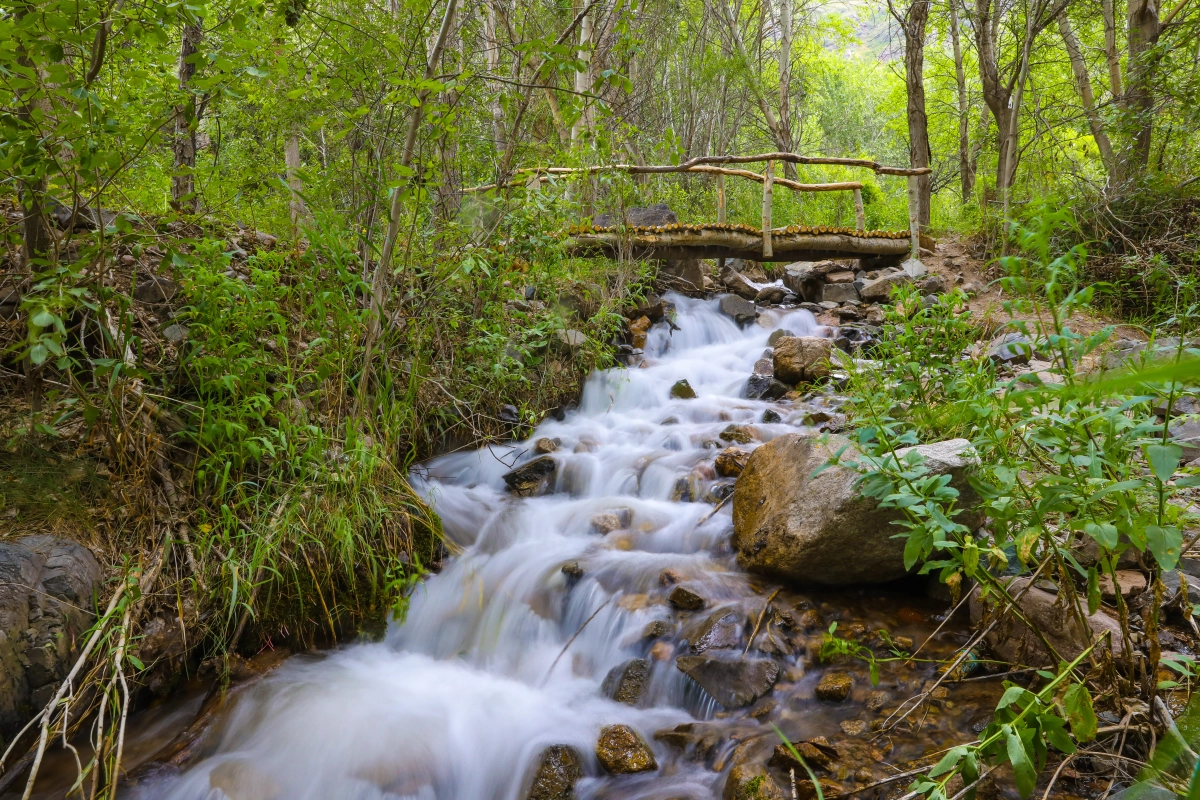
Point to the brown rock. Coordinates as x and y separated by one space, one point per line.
610 521
622 751
1130 582
733 682
638 330
731 461
559 768
840 276
721 629
546 446
532 478
1012 641
750 782
626 683
834 687
670 577
878 290
685 599
800 358
742 434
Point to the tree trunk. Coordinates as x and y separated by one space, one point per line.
1143 32
492 40
785 80
1083 83
1008 164
183 182
966 165
583 79
1111 56
918 123
38 238
995 93
291 156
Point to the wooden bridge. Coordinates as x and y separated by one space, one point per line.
722 240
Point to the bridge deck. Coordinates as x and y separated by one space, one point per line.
679 241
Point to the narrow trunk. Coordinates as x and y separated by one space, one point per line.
291 155
782 138
1008 165
583 79
183 183
918 122
785 79
1083 83
966 165
1143 32
492 40
1111 56
995 94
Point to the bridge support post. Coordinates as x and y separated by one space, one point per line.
768 184
914 226
860 216
721 199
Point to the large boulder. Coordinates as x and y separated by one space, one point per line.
48 589
819 529
1053 615
733 682
880 289
801 358
683 275
740 309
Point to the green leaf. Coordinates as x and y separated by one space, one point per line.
1011 695
137 662
44 319
1078 704
37 354
1023 770
1164 543
948 762
1105 533
1163 459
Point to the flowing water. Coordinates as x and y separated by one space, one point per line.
504 653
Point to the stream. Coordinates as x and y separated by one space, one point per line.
505 652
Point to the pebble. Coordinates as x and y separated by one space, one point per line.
834 687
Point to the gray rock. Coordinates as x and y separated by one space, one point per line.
567 340
879 290
732 682
683 275
819 530
778 334
558 770
175 333
740 309
933 284
532 478
154 289
1010 348
770 295
913 268
737 283
1186 434
839 293
626 683
765 387
264 240
720 630
48 588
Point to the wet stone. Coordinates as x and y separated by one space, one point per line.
778 334
719 492
771 416
610 521
545 446
670 577
750 782
810 620
572 570
765 387
834 687
733 683
622 751
657 628
853 727
626 683
559 768
720 630
682 390
685 599
731 461
763 366
533 478
742 434
878 699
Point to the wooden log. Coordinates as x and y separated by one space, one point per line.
721 199
860 215
914 211
734 242
768 183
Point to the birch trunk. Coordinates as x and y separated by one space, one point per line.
1083 84
183 181
966 165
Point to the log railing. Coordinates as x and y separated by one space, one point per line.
531 176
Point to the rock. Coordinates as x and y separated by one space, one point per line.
771 416
834 687
545 446
637 332
800 358
657 628
609 521
682 390
732 682
778 334
764 367
532 478
154 289
626 683
742 434
913 268
509 413
684 275
855 339
1186 434
1130 582
933 284
750 782
264 240
48 586
742 311
652 307
770 295
790 524
840 276
1010 348
1012 641
720 630
737 283
572 570
765 387
559 768
819 757
175 333
878 699
568 340
880 289
622 751
731 461
685 599
690 736
839 293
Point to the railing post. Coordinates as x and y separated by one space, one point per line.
768 184
860 216
914 227
721 199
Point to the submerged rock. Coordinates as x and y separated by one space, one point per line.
834 687
733 683
626 683
682 390
720 630
819 530
532 478
559 768
685 599
750 782
622 751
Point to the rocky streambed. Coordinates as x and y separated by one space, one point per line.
595 636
